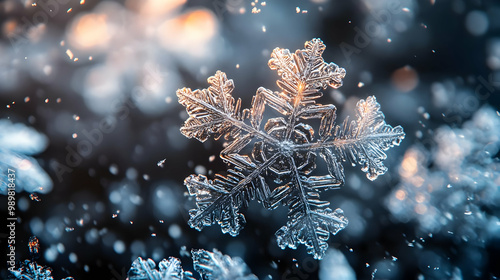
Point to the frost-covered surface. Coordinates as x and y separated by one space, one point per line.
210 265
17 143
454 188
335 267
285 150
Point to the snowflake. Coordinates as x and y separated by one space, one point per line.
210 265
285 150
17 142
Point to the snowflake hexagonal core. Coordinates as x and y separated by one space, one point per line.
285 150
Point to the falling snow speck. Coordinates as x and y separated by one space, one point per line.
113 169
161 162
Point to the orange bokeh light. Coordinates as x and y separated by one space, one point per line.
189 32
90 31
405 79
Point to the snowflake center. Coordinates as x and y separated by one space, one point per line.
286 148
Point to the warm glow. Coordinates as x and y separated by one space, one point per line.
90 31
189 32
420 197
9 28
300 90
405 79
155 7
420 209
409 166
24 164
417 181
401 195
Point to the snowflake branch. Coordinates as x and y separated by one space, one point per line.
213 111
224 201
306 225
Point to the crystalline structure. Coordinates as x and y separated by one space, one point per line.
167 270
210 265
30 269
215 266
453 188
17 143
274 165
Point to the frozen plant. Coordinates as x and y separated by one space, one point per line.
279 160
210 265
17 143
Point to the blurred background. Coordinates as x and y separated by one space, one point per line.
89 118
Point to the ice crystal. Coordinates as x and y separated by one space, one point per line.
210 265
285 150
167 270
17 143
214 265
453 188
30 269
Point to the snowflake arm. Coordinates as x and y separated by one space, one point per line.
213 111
30 175
310 222
215 266
361 142
21 139
219 200
17 143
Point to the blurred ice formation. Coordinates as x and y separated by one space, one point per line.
335 267
210 265
17 143
454 188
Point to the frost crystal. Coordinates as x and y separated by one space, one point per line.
210 265
214 265
285 150
168 270
17 143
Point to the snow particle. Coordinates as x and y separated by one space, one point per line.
119 247
477 23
